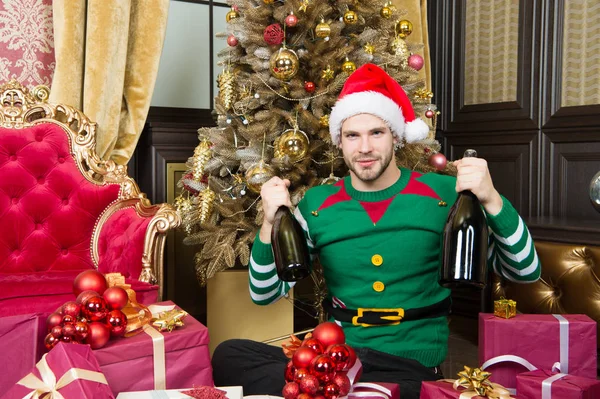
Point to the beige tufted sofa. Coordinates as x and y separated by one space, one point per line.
570 282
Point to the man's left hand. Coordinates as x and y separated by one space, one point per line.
473 175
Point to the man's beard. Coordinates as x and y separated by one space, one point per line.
374 171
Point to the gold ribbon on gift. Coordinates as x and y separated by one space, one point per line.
48 387
505 308
476 383
169 320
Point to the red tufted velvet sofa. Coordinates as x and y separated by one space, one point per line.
64 210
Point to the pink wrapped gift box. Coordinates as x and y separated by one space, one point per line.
542 340
542 384
21 346
441 390
128 363
54 369
362 389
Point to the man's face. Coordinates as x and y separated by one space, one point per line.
367 145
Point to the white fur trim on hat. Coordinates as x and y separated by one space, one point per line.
416 130
366 102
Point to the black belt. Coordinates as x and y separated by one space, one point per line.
372 316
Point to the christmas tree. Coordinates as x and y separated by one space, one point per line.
285 65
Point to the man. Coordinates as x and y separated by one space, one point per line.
378 235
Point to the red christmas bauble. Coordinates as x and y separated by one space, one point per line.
50 341
94 309
68 330
300 374
303 356
116 298
303 395
117 322
340 355
314 344
98 335
291 20
71 308
290 390
331 391
68 319
329 333
232 41
54 319
89 280
438 161
85 295
81 330
415 61
429 113
66 339
273 34
290 370
309 87
352 358
309 384
343 383
323 368
56 331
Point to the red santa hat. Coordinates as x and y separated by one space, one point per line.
370 90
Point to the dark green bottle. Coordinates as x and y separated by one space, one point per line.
290 249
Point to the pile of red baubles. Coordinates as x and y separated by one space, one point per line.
318 369
93 317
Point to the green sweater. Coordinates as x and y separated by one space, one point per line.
383 250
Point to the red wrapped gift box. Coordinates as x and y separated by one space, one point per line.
542 340
542 384
129 363
69 369
362 389
21 346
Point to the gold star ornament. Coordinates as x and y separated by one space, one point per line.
328 73
369 48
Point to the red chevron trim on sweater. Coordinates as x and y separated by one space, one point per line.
333 199
376 210
419 188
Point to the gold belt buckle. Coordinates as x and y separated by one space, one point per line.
396 318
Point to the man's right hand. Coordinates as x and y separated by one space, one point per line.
274 194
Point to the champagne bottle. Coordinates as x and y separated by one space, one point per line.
290 250
465 242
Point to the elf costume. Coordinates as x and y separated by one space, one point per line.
382 250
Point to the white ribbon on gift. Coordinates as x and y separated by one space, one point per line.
547 385
562 365
158 347
377 390
48 383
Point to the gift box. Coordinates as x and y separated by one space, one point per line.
21 346
153 360
71 370
230 392
505 308
542 384
362 389
441 390
526 342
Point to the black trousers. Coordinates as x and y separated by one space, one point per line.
259 368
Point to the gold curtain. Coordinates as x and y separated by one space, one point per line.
107 55
416 12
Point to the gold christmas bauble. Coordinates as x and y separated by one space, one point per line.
293 143
386 12
348 66
323 30
257 175
404 28
284 64
232 14
350 17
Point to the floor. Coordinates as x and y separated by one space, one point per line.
462 346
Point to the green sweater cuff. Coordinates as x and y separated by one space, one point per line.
262 253
506 221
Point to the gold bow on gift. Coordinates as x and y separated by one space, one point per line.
505 308
167 321
476 383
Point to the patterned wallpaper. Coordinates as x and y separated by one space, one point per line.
581 53
26 42
491 45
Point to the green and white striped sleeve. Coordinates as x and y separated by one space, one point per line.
265 286
511 252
